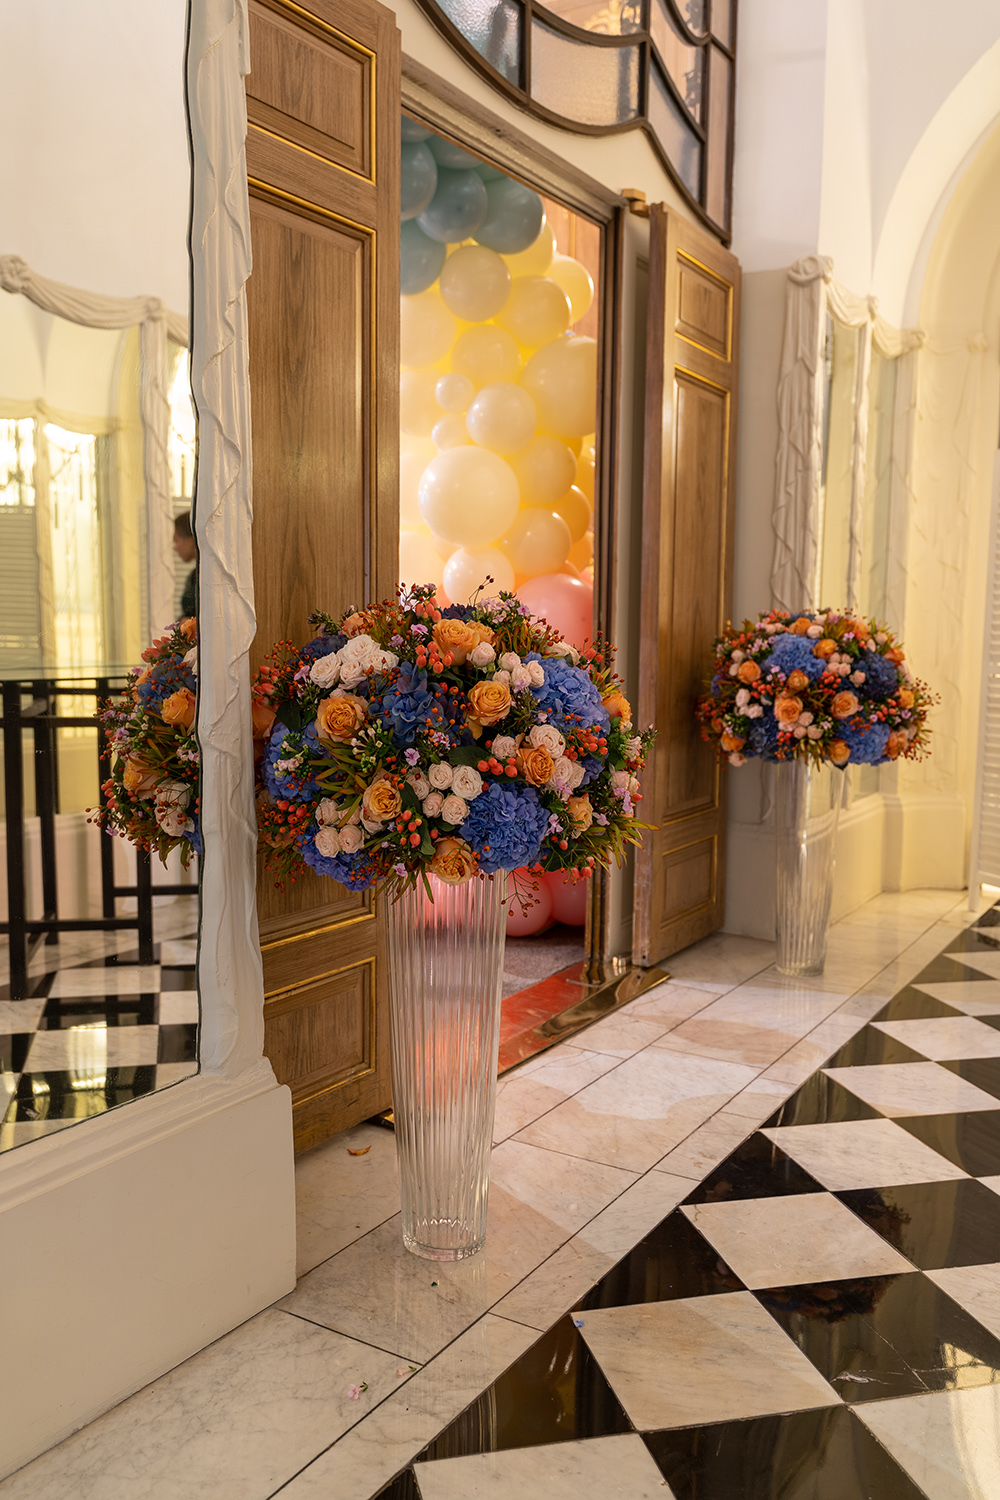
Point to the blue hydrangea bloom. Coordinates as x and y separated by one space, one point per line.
881 677
166 678
762 738
408 703
353 870
505 827
568 696
793 653
458 612
865 741
322 645
294 787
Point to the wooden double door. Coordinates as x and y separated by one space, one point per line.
323 107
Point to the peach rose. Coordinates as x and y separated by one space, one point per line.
861 631
189 628
844 705
489 702
840 753
580 813
617 706
895 744
535 764
381 801
454 861
484 635
906 697
825 648
796 681
748 671
786 709
340 716
138 778
800 627
179 708
355 624
262 718
454 636
732 742
896 655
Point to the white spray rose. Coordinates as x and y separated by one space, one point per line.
504 746
419 783
327 841
325 670
482 655
170 808
509 661
439 775
467 783
563 648
351 839
536 674
360 656
455 809
328 811
547 737
433 805
520 678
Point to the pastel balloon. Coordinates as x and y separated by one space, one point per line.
468 568
561 379
581 554
485 354
418 177
418 559
513 217
457 209
545 469
414 456
418 410
420 259
426 329
501 417
475 283
585 471
447 155
443 548
576 283
450 431
538 542
454 392
488 173
576 511
568 897
537 915
411 131
534 261
536 311
468 496
566 603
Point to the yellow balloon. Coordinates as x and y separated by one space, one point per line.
467 570
545 469
426 329
537 542
450 431
418 559
585 471
561 379
536 311
576 511
575 282
418 408
485 354
475 283
468 496
501 418
414 456
534 261
581 554
443 548
454 392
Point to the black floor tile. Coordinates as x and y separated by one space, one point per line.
758 1169
913 1005
100 1010
872 1047
971 1141
14 1049
993 1021
673 1261
933 1224
177 978
59 1094
403 1487
821 1101
808 1455
555 1392
983 1072
177 1043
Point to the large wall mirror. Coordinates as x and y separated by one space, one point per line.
98 992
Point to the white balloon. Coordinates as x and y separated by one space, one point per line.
454 392
501 418
469 496
467 570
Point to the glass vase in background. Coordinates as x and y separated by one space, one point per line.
445 968
807 800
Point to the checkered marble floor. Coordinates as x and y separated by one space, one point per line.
96 1032
819 1319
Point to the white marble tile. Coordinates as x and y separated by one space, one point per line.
376 1290
543 1082
91 1049
993 1183
340 1197
759 1099
561 1281
232 1423
368 1456
862 1154
942 1038
976 1288
634 1115
179 951
982 961
751 1025
706 1146
670 1002
771 1242
899 1089
622 1034
178 1007
120 979
606 1468
701 1359
976 997
720 961
20 1015
948 1442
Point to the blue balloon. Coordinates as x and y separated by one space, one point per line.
514 217
411 131
488 173
418 180
420 259
457 208
453 157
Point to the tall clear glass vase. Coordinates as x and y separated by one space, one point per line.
445 967
807 806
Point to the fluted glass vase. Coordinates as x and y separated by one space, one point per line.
807 806
445 967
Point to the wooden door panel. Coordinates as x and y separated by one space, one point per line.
686 577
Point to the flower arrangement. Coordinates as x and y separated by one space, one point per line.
151 797
826 686
410 740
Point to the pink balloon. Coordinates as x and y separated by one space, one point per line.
565 603
569 899
525 924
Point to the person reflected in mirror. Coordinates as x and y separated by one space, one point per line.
187 551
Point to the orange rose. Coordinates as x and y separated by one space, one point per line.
896 655
179 708
189 629
844 705
800 627
617 706
906 697
138 778
580 813
796 681
381 801
840 753
483 634
535 765
732 742
356 624
454 861
825 648
489 702
861 631
895 744
748 671
262 718
787 710
454 636
340 716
